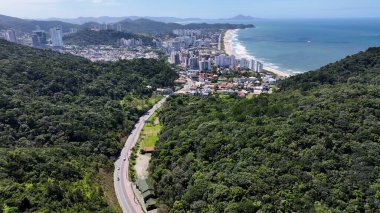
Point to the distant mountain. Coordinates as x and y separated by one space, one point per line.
83 20
27 26
108 19
133 24
155 27
242 17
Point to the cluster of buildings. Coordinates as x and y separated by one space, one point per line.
109 53
131 43
201 50
39 38
107 26
187 32
228 61
206 84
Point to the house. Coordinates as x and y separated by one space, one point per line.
148 194
148 149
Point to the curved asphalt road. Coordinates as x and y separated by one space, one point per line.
123 186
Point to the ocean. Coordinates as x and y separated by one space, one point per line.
296 46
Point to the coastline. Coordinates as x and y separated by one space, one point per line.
230 36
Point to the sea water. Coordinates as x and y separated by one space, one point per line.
295 46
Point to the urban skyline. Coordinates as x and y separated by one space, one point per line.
256 8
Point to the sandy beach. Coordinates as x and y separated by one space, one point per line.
228 36
229 49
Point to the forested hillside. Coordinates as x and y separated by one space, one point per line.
27 26
103 37
313 147
155 27
61 118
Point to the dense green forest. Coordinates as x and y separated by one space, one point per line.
61 120
103 37
313 147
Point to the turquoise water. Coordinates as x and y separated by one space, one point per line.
302 45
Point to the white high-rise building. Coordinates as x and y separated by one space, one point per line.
10 35
224 61
244 63
56 37
204 65
252 65
259 67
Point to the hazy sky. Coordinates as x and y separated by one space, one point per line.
192 8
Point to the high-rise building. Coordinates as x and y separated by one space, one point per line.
56 37
157 43
256 66
10 35
119 27
39 39
252 65
225 61
204 65
259 66
244 63
193 63
175 58
131 43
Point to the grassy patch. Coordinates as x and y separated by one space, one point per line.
250 96
149 134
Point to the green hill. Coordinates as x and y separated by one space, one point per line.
103 37
145 26
155 27
313 147
61 120
27 26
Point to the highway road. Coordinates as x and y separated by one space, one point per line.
123 186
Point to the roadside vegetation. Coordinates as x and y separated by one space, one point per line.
148 138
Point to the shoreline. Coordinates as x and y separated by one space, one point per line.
229 50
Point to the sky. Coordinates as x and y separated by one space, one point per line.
191 8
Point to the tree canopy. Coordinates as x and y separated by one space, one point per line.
103 37
61 121
313 147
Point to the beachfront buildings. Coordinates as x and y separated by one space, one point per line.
225 61
228 61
